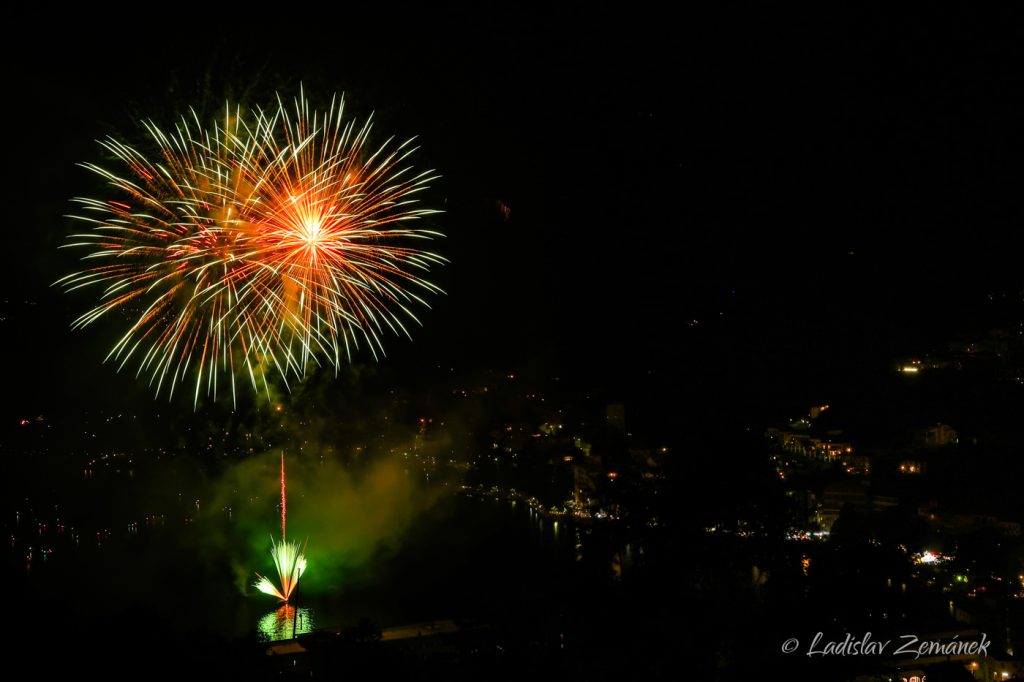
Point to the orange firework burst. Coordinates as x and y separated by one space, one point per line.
272 241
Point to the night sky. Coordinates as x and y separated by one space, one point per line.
735 202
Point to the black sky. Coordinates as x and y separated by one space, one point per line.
817 191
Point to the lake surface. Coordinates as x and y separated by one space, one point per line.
468 558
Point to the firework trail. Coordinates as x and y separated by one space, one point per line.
284 501
269 243
288 558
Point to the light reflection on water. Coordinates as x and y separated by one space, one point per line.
282 624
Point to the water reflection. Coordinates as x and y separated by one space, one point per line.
286 623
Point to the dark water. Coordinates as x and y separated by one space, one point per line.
480 559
